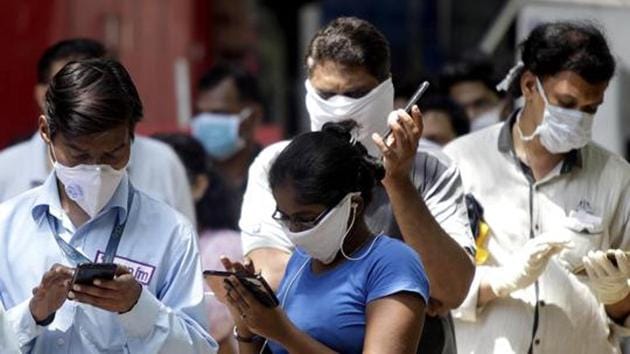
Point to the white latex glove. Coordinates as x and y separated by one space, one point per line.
609 283
527 264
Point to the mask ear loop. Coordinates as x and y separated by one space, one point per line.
343 239
531 137
286 293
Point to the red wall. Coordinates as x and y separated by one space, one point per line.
146 35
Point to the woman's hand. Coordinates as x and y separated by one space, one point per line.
271 323
399 151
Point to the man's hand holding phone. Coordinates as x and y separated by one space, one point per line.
119 294
608 278
51 292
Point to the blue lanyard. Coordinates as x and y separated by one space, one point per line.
112 245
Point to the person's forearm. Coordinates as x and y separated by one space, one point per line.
449 268
619 311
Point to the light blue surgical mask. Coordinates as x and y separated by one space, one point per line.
219 133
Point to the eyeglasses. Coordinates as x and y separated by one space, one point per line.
297 224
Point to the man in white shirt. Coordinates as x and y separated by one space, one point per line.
423 205
154 166
554 202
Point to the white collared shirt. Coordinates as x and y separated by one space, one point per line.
154 168
586 196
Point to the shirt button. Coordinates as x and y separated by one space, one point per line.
537 227
60 342
541 303
537 342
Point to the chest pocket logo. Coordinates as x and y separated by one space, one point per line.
586 229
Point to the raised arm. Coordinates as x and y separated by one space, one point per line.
449 267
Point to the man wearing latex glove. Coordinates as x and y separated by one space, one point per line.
538 173
609 282
529 263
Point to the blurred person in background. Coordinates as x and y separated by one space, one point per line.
471 83
443 119
88 211
229 109
555 279
216 237
26 165
419 200
346 289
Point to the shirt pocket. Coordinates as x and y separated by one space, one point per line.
587 233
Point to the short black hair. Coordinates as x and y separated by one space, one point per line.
324 166
456 114
246 83
67 50
91 96
189 150
352 42
554 47
472 66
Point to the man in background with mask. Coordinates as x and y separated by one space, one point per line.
87 210
554 202
230 108
470 83
154 167
349 78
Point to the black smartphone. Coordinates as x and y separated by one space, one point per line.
412 101
87 272
254 283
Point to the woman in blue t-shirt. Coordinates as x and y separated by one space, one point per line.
345 289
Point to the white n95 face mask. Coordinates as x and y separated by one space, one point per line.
325 239
562 129
369 111
90 186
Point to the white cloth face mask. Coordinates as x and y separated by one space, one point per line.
562 129
324 240
369 111
90 186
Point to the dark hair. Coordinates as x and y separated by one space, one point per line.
324 166
189 150
91 96
67 50
472 66
558 46
246 84
353 42
457 115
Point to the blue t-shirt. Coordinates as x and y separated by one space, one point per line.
331 306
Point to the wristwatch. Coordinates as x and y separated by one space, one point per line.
239 338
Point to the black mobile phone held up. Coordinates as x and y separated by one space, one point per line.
412 101
87 272
254 283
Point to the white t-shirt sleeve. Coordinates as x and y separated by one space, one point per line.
258 228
